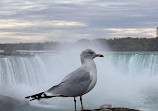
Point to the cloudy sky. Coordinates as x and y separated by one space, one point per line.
71 20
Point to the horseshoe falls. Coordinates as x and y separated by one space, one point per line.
124 79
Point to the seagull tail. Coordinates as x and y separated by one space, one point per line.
38 96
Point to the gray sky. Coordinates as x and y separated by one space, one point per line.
71 20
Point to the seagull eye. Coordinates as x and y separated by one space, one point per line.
91 52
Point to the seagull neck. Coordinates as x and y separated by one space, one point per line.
87 62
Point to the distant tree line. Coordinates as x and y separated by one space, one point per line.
29 46
116 44
131 44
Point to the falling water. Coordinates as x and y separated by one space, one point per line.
124 79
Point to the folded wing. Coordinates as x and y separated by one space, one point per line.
75 84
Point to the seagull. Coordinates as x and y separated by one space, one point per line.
77 83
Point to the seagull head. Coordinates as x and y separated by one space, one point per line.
89 54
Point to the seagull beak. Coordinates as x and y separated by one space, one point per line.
99 55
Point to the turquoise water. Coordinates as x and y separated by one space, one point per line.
124 79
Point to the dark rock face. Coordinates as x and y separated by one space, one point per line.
113 109
9 104
122 109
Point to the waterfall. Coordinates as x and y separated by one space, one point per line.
124 79
26 70
33 69
135 64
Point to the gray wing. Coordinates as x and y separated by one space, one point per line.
75 84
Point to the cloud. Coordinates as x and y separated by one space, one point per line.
54 23
66 35
132 32
70 20
14 23
14 37
57 23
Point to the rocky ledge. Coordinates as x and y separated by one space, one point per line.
113 109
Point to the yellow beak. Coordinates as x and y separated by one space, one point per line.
99 55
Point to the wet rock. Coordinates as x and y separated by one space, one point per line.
9 104
113 109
